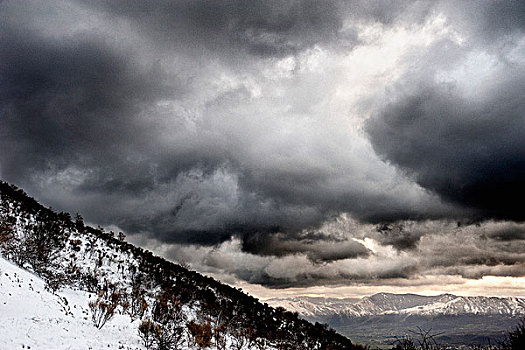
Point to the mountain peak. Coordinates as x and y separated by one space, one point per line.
381 315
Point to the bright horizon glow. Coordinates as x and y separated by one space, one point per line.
488 286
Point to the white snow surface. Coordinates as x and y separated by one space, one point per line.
31 317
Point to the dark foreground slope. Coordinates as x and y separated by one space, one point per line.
176 307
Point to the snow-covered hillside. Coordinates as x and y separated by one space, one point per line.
70 286
33 317
313 306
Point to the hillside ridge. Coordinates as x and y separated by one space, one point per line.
173 306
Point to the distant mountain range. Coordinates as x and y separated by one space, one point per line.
406 304
377 319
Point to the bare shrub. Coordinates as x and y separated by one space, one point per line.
11 245
165 331
218 335
422 340
201 333
148 332
103 309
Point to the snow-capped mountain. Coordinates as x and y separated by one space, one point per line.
404 304
313 306
380 318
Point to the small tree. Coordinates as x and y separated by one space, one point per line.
136 303
218 335
165 331
103 309
13 247
201 333
148 332
121 236
240 334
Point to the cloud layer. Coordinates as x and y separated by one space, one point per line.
245 128
440 252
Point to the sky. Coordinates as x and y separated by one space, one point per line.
293 147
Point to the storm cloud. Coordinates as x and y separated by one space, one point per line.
457 125
326 142
444 252
266 28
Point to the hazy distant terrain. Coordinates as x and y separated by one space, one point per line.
382 317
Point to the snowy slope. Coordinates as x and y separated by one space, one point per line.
313 306
57 275
34 318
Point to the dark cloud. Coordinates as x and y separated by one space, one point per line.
468 150
266 28
261 28
490 23
73 100
445 252
455 122
202 123
396 235
511 232
317 248
96 124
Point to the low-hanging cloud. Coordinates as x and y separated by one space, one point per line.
444 252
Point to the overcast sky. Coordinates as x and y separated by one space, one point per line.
288 147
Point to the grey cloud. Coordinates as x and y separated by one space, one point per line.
469 151
199 124
100 128
398 236
65 101
489 23
390 12
317 248
444 252
266 28
262 28
510 232
463 141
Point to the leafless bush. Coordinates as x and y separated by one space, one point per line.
201 333
103 309
149 332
